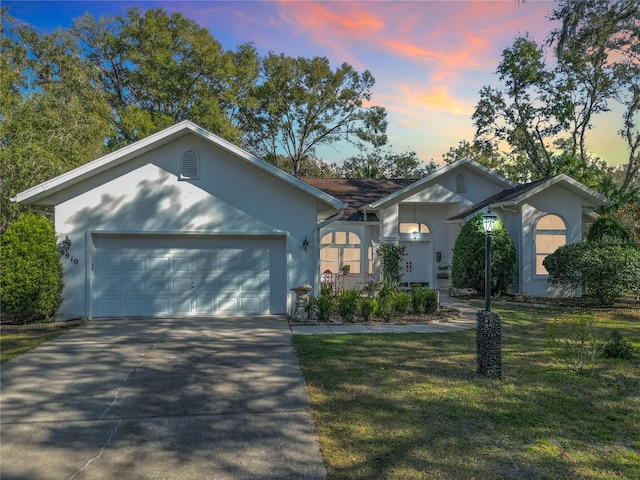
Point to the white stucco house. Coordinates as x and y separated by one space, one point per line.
186 223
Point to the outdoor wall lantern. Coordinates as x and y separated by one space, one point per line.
64 245
305 244
414 234
489 220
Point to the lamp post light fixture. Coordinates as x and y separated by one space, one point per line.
489 220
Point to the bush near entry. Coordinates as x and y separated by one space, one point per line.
468 265
30 271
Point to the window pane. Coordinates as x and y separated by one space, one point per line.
354 239
329 254
424 228
351 256
329 259
341 238
549 243
406 227
540 270
326 240
551 222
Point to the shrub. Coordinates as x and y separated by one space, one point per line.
368 308
388 287
30 271
348 304
565 265
617 346
577 341
326 306
391 255
604 271
468 264
402 302
387 306
423 299
607 231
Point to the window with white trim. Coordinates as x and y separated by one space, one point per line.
339 248
190 165
413 227
550 233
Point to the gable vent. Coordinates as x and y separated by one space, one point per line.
190 165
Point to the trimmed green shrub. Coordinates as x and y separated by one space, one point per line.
387 306
326 306
348 304
468 264
30 271
607 231
604 271
423 299
402 302
617 346
368 308
565 265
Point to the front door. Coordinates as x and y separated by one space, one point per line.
417 263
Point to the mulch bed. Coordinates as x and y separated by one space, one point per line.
442 315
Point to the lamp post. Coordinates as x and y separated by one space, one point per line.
488 222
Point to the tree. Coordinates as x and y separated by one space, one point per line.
302 104
53 116
601 40
31 287
381 163
468 263
159 69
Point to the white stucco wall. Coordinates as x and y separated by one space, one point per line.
145 195
554 200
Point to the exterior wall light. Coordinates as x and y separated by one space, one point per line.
305 244
414 234
489 220
64 245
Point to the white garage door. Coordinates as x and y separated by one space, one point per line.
186 275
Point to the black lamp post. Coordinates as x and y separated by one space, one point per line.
488 221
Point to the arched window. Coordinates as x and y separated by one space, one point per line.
340 248
550 233
461 184
412 228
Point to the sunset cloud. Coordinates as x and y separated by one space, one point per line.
430 58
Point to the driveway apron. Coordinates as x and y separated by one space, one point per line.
214 398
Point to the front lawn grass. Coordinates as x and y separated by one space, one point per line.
410 406
14 343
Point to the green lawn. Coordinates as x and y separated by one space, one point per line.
408 406
14 343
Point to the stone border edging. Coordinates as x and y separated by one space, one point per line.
44 326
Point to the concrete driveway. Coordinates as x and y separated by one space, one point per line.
218 398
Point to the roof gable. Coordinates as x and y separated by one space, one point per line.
418 185
520 193
154 141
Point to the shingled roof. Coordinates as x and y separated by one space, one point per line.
357 192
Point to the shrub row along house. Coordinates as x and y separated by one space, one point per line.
185 223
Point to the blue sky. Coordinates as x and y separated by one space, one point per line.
429 58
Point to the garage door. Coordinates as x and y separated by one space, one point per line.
184 275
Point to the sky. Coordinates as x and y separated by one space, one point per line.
429 58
